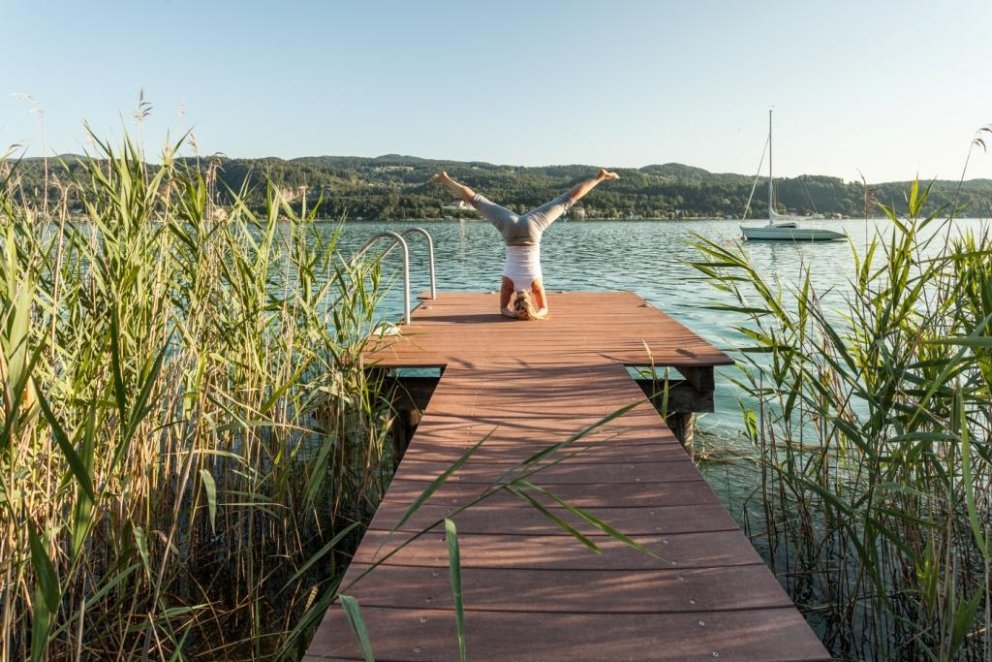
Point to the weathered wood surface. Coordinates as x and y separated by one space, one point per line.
531 591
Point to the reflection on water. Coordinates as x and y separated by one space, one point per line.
650 258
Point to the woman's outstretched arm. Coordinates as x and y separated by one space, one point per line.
580 190
460 190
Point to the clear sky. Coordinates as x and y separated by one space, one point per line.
890 89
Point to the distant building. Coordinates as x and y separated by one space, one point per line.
393 168
458 206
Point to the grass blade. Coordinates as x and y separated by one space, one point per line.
455 570
591 519
438 482
47 595
353 614
587 430
565 526
210 490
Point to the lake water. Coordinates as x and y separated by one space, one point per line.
650 258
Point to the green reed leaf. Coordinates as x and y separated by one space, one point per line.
522 492
210 491
591 519
979 532
584 432
141 542
439 481
77 466
353 614
319 554
455 572
914 198
141 407
966 341
47 594
120 392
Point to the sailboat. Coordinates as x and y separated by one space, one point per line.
781 227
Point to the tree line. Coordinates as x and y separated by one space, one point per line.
394 187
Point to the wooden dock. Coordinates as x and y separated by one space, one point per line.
532 591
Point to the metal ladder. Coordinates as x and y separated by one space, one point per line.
398 239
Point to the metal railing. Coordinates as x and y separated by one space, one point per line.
398 240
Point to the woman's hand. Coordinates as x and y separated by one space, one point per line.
605 174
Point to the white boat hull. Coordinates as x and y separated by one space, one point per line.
773 233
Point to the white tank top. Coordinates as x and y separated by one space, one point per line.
523 265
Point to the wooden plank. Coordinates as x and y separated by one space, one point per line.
669 467
560 590
693 492
510 455
677 550
493 516
422 634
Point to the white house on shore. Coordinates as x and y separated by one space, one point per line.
458 207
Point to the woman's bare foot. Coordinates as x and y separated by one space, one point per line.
605 174
459 190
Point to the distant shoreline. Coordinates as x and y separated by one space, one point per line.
398 187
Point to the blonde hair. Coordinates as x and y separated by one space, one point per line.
523 306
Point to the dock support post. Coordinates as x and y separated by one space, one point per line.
679 400
683 424
408 398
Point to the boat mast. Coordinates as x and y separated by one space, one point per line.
770 201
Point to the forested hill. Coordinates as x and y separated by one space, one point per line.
396 187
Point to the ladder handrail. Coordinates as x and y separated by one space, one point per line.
430 255
398 238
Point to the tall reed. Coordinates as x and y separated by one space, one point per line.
872 423
187 435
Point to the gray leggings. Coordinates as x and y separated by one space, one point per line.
526 228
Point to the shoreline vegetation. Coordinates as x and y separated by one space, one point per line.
394 187
188 444
871 427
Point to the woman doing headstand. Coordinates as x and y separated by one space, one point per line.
522 280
